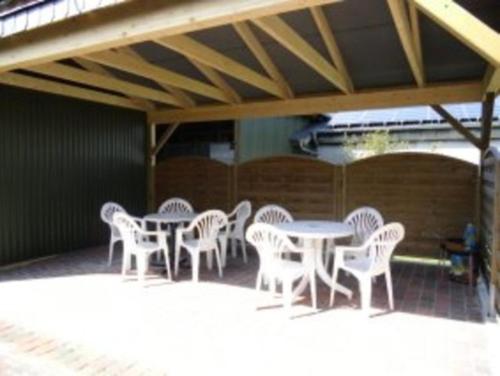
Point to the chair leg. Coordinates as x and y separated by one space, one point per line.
312 283
177 257
334 283
365 285
210 259
233 246
195 265
142 266
111 248
388 281
158 254
218 260
167 263
258 284
244 249
125 263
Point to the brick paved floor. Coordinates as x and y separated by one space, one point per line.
73 315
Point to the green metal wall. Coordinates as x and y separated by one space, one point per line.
258 138
60 159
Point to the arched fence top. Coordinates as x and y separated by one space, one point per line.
408 155
192 159
286 157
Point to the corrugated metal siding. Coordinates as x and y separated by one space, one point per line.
60 159
258 138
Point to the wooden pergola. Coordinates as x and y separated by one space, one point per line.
178 61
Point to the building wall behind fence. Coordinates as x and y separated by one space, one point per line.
60 160
432 195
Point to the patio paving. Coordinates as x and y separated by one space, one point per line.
72 314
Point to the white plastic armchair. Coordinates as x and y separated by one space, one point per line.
201 236
272 245
137 242
236 229
373 260
175 205
364 221
272 214
107 212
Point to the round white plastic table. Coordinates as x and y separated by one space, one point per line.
313 233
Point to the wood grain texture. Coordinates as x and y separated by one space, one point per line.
432 195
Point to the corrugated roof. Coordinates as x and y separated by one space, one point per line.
421 114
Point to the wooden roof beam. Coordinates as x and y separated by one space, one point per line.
258 50
331 45
164 138
181 96
52 87
208 56
459 127
132 22
99 69
290 39
142 68
217 79
407 37
81 76
464 26
367 99
491 81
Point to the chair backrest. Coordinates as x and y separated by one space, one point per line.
269 242
241 213
207 225
175 205
381 245
272 214
365 221
108 210
130 232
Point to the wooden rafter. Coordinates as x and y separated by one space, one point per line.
486 120
181 96
132 22
81 76
198 51
368 99
469 29
415 32
402 23
260 53
99 69
289 38
164 138
331 45
142 68
219 81
459 127
52 87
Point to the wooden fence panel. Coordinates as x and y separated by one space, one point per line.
432 195
490 222
204 182
305 186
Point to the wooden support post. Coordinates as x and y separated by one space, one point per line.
150 165
487 118
459 127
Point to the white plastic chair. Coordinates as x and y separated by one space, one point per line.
364 221
201 236
175 205
107 212
272 247
137 242
272 214
373 260
236 229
